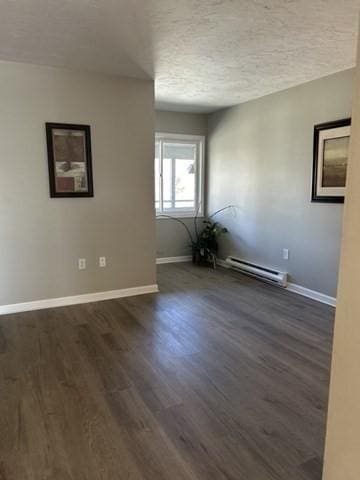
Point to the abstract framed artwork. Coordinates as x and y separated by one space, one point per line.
331 152
69 159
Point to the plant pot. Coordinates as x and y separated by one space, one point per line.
197 258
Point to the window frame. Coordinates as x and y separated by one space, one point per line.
199 209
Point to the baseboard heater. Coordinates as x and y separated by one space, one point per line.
272 276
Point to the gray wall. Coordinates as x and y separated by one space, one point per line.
260 159
41 239
178 122
171 237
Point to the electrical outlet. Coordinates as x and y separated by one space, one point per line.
82 263
286 253
102 262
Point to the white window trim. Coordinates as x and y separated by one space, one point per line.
201 177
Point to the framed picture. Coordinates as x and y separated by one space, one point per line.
69 158
331 152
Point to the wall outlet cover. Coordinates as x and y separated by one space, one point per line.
82 263
286 253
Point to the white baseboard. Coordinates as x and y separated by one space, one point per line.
77 299
186 258
222 263
292 287
306 292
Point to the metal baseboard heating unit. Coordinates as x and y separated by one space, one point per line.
268 275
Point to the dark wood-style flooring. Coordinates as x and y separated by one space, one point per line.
218 377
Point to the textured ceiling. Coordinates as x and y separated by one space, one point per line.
203 54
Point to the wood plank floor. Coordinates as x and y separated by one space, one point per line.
218 377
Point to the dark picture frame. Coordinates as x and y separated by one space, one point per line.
330 190
69 160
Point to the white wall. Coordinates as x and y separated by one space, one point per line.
342 453
42 238
260 158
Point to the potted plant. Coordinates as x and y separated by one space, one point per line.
204 243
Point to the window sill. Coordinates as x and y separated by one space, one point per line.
179 215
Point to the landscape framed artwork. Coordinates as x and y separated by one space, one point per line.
69 159
331 152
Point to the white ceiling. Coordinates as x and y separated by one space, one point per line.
203 54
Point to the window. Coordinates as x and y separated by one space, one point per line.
179 174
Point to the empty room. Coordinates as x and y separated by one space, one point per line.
180 231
